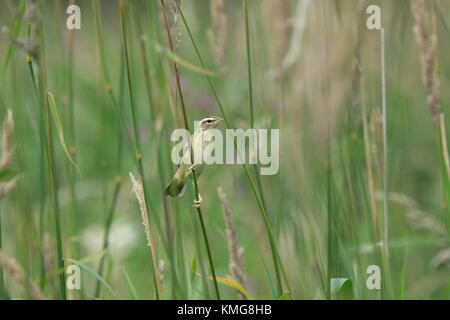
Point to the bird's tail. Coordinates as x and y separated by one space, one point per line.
176 186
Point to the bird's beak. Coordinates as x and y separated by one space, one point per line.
219 119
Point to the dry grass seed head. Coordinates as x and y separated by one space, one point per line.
237 261
16 272
427 41
217 33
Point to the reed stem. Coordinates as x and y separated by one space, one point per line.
135 130
194 176
250 103
274 248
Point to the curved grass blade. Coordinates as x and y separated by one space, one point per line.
59 129
180 61
16 31
93 256
193 268
278 263
269 276
186 271
228 282
344 286
131 287
95 274
285 296
87 259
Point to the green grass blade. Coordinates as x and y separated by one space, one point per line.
131 287
180 61
16 31
59 129
274 248
229 282
342 286
95 274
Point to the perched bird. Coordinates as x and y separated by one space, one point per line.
201 140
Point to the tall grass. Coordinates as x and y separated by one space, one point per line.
274 248
194 175
364 168
134 126
252 122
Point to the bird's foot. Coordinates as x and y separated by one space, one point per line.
191 168
198 202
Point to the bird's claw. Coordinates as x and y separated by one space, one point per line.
198 202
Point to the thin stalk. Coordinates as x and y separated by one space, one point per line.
2 283
145 65
249 64
149 90
135 131
385 155
108 224
194 176
274 248
369 164
105 73
17 27
329 225
71 121
250 103
385 254
382 251
118 184
42 177
175 69
445 164
122 129
51 170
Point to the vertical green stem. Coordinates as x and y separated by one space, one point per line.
329 226
249 65
250 103
108 224
135 131
194 176
2 284
70 119
48 142
276 254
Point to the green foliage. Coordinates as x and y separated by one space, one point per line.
308 232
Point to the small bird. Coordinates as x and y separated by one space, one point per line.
201 140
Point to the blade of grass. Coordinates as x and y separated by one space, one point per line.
59 129
108 224
194 176
229 282
3 293
385 155
250 103
157 130
70 121
95 274
262 210
132 289
180 61
134 124
9 50
48 143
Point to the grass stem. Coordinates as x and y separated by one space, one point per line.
134 124
262 210
194 176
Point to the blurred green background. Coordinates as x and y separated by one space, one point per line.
305 57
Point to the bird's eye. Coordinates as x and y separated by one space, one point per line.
208 121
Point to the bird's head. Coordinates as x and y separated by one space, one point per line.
209 122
